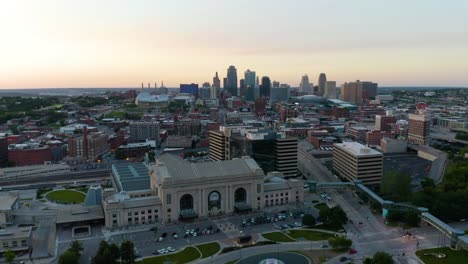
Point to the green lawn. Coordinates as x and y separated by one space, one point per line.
209 249
321 206
277 236
453 256
309 235
66 196
185 256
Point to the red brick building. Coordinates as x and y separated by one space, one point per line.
340 112
32 156
374 137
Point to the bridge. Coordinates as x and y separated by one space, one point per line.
458 239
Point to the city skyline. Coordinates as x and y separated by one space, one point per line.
122 43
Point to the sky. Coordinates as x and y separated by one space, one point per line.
122 43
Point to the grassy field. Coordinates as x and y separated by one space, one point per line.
209 249
321 206
277 236
66 196
185 256
309 235
453 256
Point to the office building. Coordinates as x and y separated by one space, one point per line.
352 92
418 128
29 155
265 87
330 90
191 89
374 137
242 88
141 131
369 90
249 78
384 123
305 86
3 151
355 161
225 84
231 81
216 81
272 150
204 93
321 84
87 146
279 95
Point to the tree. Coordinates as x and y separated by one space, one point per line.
396 185
105 257
76 247
127 252
9 256
102 247
115 251
120 154
382 258
308 220
69 257
340 242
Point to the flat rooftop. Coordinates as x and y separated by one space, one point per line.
357 149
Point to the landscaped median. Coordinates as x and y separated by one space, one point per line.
209 249
293 235
430 256
187 255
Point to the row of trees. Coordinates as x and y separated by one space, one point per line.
333 217
106 253
379 258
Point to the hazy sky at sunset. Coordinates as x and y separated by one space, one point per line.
123 43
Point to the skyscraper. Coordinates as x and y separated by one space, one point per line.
419 126
369 90
232 80
216 81
224 83
305 85
265 87
352 92
242 88
321 84
249 77
330 90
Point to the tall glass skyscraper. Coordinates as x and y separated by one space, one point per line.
321 84
231 83
265 87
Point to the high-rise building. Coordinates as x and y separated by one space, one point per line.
250 94
273 151
355 161
232 80
418 128
249 77
321 84
3 151
204 93
276 84
225 84
189 89
206 84
279 95
369 90
242 88
216 81
265 87
330 90
384 123
304 86
352 92
141 131
87 146
214 92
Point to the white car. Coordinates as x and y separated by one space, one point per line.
170 249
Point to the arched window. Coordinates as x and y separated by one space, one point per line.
186 202
240 195
214 200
